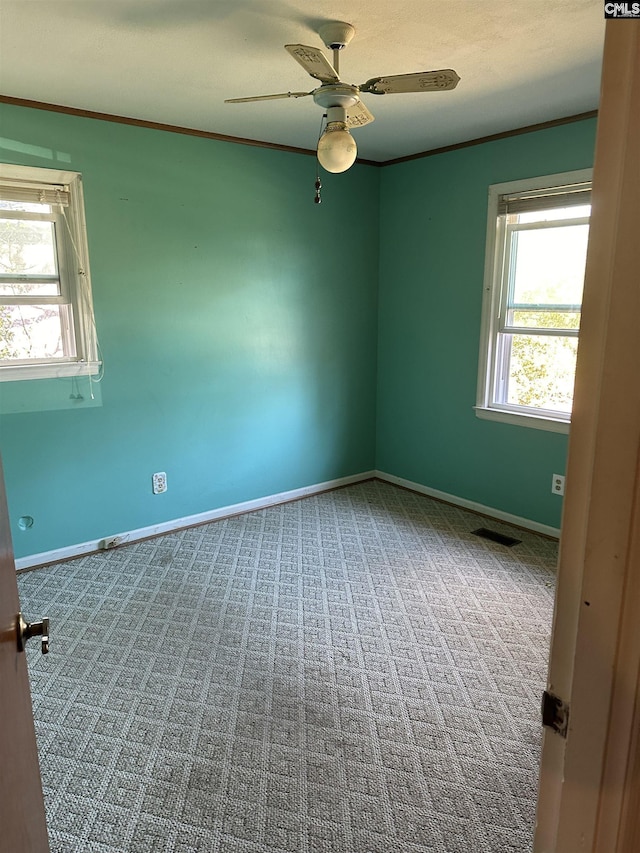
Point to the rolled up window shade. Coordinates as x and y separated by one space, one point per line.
545 199
34 193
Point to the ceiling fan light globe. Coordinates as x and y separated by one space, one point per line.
337 149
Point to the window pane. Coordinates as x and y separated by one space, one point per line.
33 331
573 212
27 247
544 319
24 287
28 206
547 266
542 371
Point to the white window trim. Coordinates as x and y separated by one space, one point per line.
87 363
484 408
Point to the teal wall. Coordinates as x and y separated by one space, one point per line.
237 321
432 241
244 329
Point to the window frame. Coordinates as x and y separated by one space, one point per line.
495 300
74 276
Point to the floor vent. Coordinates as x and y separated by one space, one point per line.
509 541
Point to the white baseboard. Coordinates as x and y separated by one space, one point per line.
93 545
546 529
83 548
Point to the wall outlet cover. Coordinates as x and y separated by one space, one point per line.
557 484
159 482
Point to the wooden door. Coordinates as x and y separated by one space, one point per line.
589 789
22 819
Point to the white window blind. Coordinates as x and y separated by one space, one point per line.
545 199
34 193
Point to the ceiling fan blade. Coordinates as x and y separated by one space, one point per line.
267 97
422 81
314 62
358 115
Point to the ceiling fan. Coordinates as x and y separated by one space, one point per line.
337 149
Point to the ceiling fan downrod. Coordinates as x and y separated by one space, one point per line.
336 35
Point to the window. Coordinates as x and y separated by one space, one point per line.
47 327
536 252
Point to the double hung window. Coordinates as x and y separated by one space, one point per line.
536 253
46 314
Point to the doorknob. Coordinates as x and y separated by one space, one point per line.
32 629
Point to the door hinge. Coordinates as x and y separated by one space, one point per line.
555 713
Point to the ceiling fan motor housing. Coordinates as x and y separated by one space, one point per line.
336 95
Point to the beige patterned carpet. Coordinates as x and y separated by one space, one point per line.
352 673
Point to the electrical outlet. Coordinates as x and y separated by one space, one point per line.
159 481
557 484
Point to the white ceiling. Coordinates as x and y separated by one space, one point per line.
174 61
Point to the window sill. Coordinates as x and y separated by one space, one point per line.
11 373
525 420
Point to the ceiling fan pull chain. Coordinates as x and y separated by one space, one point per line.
318 197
